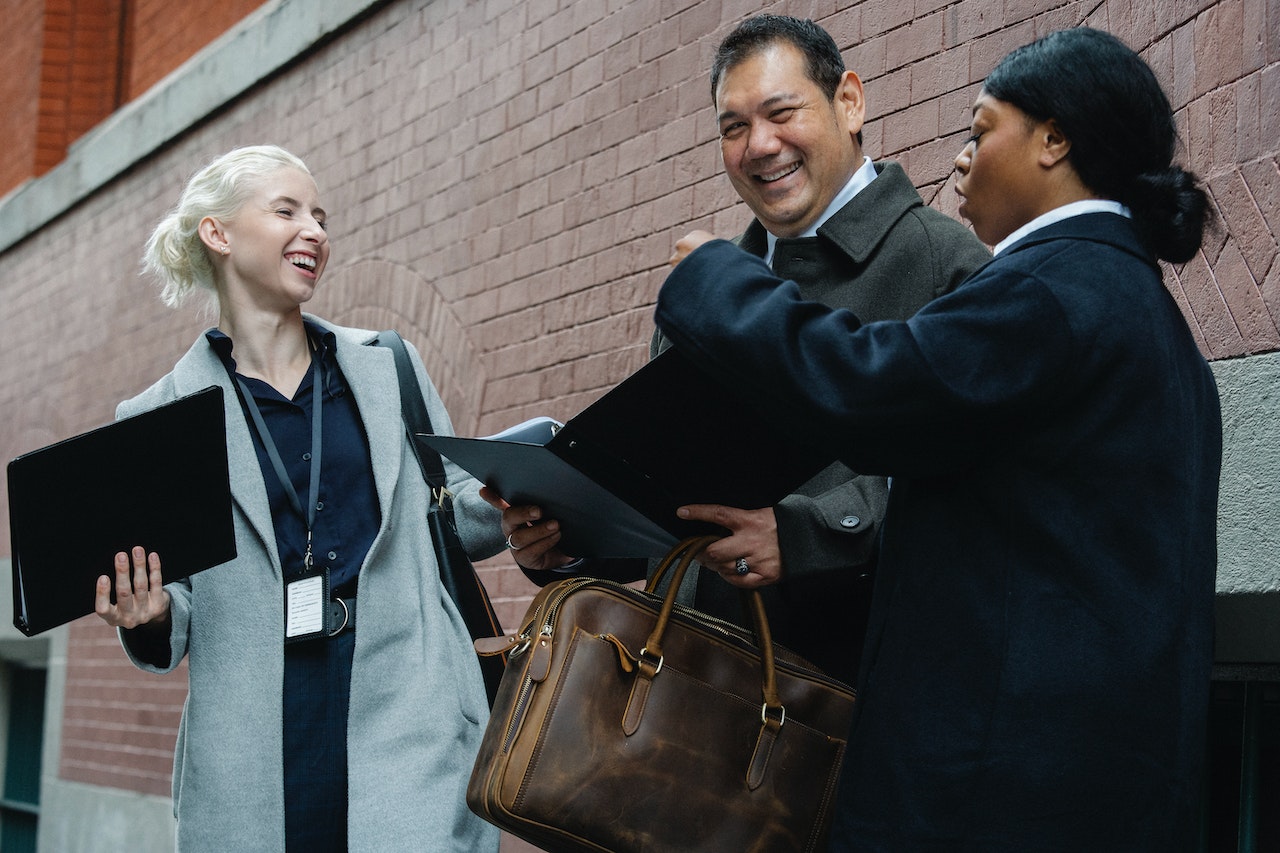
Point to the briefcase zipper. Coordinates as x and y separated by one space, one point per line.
551 609
542 652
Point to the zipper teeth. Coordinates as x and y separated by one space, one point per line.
553 606
526 689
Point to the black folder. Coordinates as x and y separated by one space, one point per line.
614 474
158 479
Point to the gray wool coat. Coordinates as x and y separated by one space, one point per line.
418 705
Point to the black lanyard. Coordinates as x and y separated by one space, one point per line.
317 393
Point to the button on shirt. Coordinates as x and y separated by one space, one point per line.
347 516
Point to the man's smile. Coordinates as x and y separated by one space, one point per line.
777 174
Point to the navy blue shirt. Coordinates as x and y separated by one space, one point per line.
317 673
347 517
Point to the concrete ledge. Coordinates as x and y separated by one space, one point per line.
1249 501
93 819
268 40
1247 608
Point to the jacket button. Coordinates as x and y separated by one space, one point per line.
850 521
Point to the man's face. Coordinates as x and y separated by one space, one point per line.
787 147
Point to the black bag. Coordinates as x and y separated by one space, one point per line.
456 572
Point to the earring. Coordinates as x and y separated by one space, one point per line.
226 250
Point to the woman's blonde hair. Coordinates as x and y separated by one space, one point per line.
175 254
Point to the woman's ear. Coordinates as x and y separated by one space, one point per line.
1054 144
213 235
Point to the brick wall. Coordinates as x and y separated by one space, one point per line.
70 63
506 181
162 35
20 40
80 73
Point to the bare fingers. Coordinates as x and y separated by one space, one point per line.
139 587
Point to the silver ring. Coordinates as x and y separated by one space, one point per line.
741 566
510 544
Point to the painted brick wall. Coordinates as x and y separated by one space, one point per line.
506 181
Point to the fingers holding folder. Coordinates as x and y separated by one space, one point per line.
140 596
533 542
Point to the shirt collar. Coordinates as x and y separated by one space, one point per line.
1075 208
222 345
856 184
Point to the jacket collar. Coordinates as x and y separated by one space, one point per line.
862 224
370 373
1110 229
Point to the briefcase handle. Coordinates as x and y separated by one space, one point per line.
681 556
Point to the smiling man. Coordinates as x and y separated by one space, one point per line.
853 234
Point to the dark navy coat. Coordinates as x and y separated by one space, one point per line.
1037 665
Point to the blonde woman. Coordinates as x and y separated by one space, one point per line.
357 734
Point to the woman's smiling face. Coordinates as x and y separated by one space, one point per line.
277 241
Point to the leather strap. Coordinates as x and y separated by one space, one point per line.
772 713
414 408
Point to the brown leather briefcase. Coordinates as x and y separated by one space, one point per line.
627 723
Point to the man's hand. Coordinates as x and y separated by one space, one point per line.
753 538
531 540
688 243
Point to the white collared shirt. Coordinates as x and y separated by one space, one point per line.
1075 208
856 184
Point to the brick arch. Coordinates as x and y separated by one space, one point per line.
380 294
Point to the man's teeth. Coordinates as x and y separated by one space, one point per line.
302 261
781 173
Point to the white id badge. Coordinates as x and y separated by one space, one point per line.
305 605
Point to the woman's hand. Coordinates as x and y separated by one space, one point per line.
141 598
531 540
686 244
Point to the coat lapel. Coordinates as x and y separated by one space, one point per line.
371 375
198 369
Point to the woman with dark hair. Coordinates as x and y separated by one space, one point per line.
1106 101
1036 670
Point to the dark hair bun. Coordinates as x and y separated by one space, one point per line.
1171 210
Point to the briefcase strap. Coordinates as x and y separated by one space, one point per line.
681 556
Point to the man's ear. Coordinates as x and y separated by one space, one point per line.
849 103
1054 144
213 235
